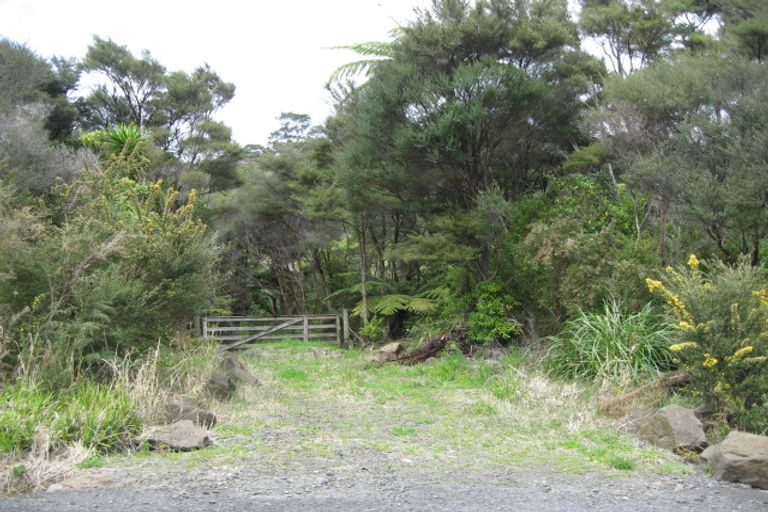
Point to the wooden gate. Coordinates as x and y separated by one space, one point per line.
238 331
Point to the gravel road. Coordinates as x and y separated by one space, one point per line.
354 488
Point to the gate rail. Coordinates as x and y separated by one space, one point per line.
236 331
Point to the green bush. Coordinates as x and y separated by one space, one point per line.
721 336
374 329
611 346
490 320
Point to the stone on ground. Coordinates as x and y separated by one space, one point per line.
388 352
180 436
187 409
741 457
674 428
230 372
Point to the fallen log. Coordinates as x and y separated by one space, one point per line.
434 345
618 405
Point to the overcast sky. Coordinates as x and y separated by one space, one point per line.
276 52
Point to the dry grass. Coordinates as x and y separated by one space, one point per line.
42 466
152 385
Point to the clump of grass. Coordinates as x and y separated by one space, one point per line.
99 416
23 408
456 370
404 431
294 375
611 347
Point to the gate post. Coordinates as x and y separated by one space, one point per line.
345 313
306 328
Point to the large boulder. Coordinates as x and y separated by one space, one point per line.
741 457
232 366
187 409
180 436
673 428
228 374
388 352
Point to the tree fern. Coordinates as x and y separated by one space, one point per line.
377 51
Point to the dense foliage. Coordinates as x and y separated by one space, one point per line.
489 172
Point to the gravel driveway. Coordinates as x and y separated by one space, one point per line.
356 439
323 488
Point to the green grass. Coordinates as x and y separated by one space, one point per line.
95 461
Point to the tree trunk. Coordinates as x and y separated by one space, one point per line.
663 217
361 234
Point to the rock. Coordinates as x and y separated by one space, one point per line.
221 386
494 352
186 409
741 457
674 428
232 366
180 436
635 419
388 352
231 371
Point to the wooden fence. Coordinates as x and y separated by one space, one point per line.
238 331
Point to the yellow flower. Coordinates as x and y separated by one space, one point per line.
722 386
742 352
679 307
685 326
709 361
757 359
653 284
693 262
677 347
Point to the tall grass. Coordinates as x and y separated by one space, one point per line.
612 346
99 416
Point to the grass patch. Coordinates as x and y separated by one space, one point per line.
294 375
404 431
94 461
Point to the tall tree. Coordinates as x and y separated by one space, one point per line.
631 33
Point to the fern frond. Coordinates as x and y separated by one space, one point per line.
377 51
370 48
386 305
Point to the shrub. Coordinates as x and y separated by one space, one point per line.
721 318
374 329
490 321
611 346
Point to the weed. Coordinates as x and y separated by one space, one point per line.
482 409
94 461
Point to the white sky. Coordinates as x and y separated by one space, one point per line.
276 52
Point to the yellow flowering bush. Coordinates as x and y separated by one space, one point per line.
720 314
